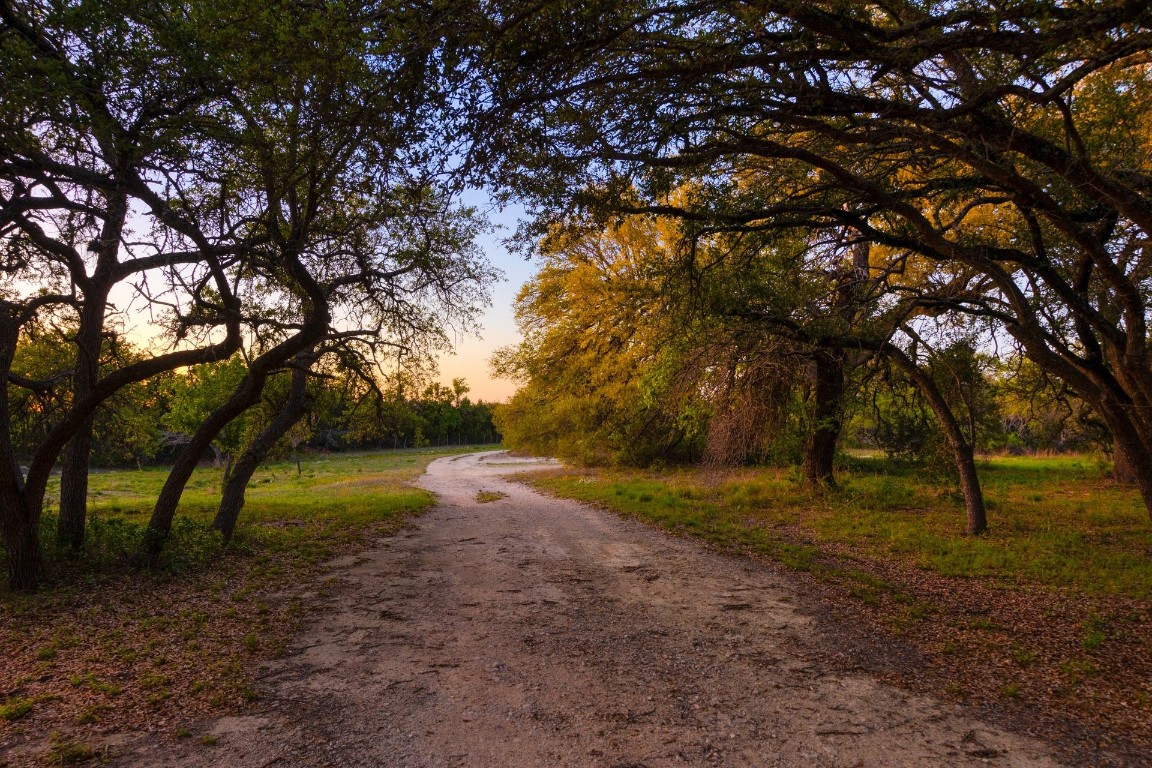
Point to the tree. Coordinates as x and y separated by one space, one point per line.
597 374
245 191
997 151
94 135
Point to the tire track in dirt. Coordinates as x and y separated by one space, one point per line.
532 631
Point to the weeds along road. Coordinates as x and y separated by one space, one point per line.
530 631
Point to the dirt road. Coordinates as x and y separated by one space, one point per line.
530 632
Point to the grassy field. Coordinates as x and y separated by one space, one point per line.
1051 610
1056 522
106 647
333 496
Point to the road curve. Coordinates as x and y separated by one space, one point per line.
531 631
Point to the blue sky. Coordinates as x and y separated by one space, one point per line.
499 328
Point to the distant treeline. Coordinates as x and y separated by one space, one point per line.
149 422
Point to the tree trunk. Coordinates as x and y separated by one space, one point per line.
74 490
160 525
232 501
1123 469
1131 448
21 544
19 522
89 342
820 445
963 454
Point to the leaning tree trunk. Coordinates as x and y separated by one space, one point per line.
246 395
232 501
963 453
820 445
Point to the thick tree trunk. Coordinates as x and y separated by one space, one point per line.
74 490
232 501
1130 447
160 525
1123 469
19 522
963 454
21 544
820 445
1142 476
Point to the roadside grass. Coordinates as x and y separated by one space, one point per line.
106 646
1051 609
1056 522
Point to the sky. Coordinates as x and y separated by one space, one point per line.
470 361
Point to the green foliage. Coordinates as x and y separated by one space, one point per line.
346 414
1040 413
582 356
199 392
1004 405
617 367
126 425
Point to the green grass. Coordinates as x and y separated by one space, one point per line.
106 642
1054 521
305 513
14 709
355 488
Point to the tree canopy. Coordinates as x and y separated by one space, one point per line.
994 157
252 176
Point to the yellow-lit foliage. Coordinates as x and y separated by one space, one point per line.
591 340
